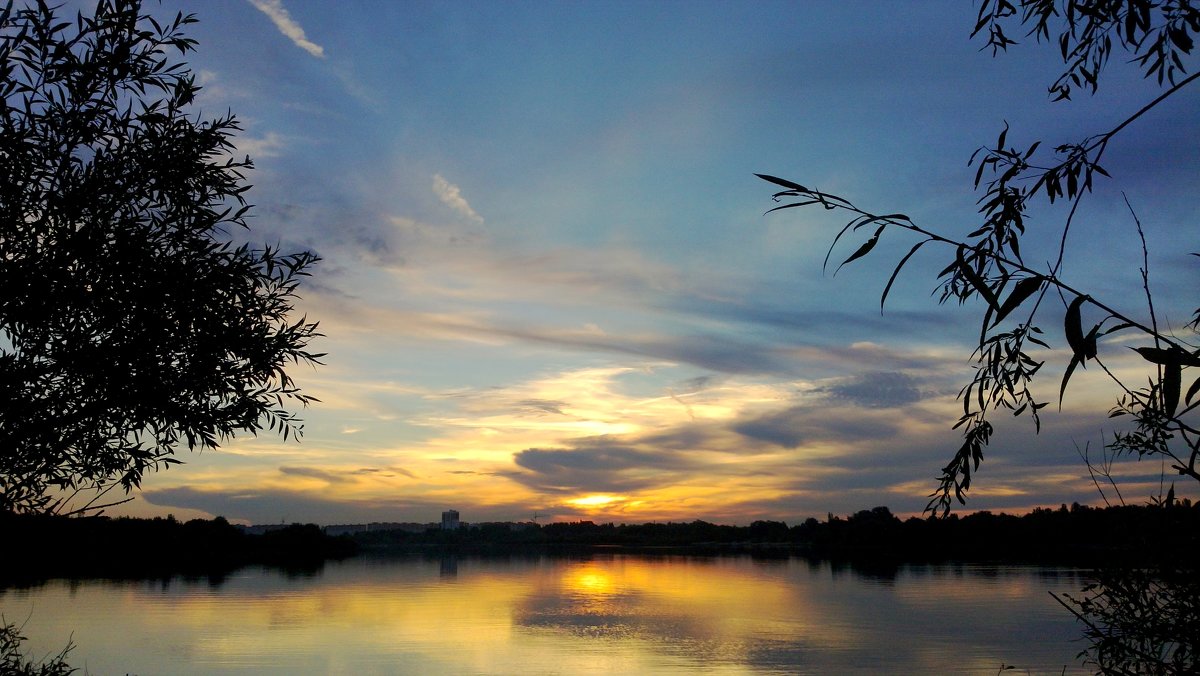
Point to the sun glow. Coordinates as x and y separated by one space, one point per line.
595 501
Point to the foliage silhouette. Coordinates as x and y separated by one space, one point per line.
154 548
13 663
131 323
988 264
1140 620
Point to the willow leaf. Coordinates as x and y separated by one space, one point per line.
1021 292
783 182
1073 329
896 272
864 249
1172 377
976 281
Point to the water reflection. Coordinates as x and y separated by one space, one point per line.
597 613
449 567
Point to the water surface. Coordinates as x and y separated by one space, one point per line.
602 613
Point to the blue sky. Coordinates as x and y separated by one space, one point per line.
549 285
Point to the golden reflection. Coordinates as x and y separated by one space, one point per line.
588 581
601 614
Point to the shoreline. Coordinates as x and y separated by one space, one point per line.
42 548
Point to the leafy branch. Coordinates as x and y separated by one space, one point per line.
130 325
987 264
1157 34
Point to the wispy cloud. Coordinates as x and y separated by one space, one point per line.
451 196
265 146
279 15
314 473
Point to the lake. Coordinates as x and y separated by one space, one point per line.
606 612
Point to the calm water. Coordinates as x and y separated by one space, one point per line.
590 614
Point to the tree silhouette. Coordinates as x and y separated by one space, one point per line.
131 323
987 264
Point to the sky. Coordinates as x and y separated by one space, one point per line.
549 288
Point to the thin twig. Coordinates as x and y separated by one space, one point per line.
1083 455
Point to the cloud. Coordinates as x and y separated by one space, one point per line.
313 473
777 428
798 425
543 406
693 385
451 196
276 505
877 390
712 352
761 311
344 476
266 146
598 465
211 87
594 454
275 10
710 348
387 472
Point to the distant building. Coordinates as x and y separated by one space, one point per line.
450 520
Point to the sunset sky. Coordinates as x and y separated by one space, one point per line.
549 286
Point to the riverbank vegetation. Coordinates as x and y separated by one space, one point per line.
44 547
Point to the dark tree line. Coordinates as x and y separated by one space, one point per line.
47 546
1075 534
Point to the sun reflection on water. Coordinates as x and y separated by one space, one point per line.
598 613
588 581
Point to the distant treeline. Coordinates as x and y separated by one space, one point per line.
36 548
39 547
1078 534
